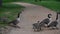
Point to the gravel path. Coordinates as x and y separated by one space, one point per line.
30 15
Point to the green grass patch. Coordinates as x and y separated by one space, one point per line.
10 10
18 1
11 0
50 4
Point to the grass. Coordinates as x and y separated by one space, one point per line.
11 0
10 10
17 1
50 4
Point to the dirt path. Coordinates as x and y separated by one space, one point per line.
30 15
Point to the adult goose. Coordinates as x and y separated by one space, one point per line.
15 22
46 20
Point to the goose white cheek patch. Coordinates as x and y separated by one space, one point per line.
18 19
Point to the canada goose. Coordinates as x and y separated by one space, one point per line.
15 22
46 21
53 24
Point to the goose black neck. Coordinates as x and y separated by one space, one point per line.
18 15
57 16
49 15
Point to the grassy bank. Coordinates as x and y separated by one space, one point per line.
11 0
17 1
10 10
50 4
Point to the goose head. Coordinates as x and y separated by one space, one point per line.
49 15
